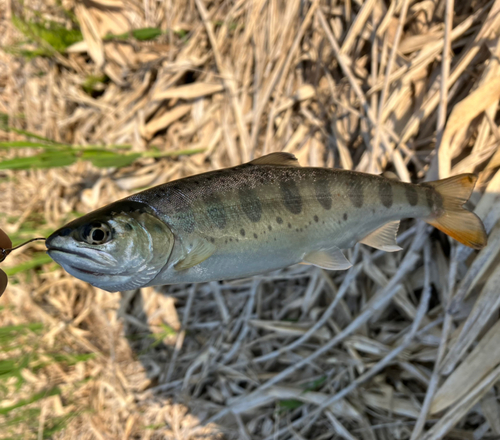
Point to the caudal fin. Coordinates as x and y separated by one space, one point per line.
456 221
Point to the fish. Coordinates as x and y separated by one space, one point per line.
250 219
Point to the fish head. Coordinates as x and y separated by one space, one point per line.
119 247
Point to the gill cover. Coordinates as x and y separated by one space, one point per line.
122 246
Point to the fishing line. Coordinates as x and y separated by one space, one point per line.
6 251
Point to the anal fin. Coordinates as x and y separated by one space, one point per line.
384 238
199 252
331 259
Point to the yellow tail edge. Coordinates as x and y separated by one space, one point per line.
456 221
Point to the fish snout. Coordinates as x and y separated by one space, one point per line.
57 238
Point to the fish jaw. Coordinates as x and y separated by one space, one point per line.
89 265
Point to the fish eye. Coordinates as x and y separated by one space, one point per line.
96 233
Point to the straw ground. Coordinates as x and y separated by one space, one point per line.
101 98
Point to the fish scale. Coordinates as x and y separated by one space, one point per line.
268 214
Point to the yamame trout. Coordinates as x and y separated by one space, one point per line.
260 216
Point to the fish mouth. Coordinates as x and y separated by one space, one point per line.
89 272
72 252
78 254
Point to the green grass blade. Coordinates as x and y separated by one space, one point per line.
106 159
34 398
38 260
55 35
50 159
142 34
28 144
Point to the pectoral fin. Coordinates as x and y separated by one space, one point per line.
384 238
331 259
200 250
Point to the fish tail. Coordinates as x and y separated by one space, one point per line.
453 219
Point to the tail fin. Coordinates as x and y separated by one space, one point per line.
456 221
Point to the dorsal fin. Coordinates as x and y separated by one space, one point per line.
384 238
390 175
280 158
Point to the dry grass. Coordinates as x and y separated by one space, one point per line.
401 346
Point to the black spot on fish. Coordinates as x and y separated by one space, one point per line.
297 230
212 239
385 193
411 195
230 239
250 204
434 199
355 191
316 219
290 225
216 211
255 235
345 216
323 194
291 196
269 227
128 227
429 193
279 220
242 232
186 219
